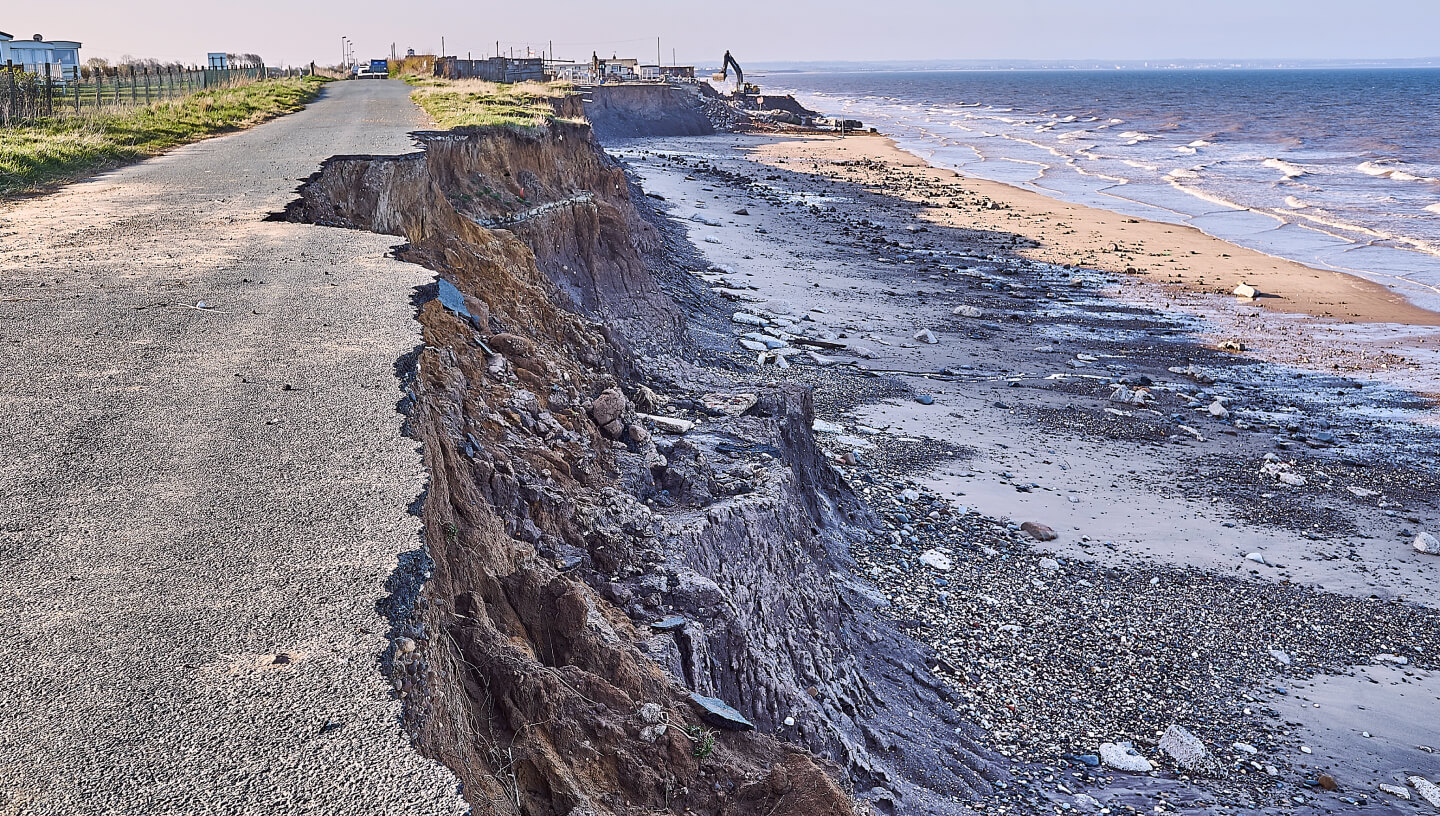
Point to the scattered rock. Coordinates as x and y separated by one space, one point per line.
937 560
669 425
720 714
1427 543
1327 782
747 319
1258 558
651 713
1428 790
1049 565
1246 747
1280 657
1230 345
967 311
926 336
924 399
1394 790
1218 410
1038 531
1245 290
1122 756
608 408
1186 750
729 404
1393 659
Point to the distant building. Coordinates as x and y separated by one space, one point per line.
616 68
32 55
667 72
494 69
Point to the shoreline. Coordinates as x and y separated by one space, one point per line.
1285 285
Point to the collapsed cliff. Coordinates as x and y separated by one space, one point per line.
619 544
627 111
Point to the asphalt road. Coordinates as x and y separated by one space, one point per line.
201 507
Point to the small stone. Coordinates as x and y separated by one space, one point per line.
651 713
720 714
1122 756
405 645
1049 565
789 722
937 560
1038 531
924 399
1258 558
1327 782
1280 657
1428 790
1426 543
926 336
1186 749
608 408
1245 290
863 351
1393 659
1218 410
1394 790
1246 748
747 319
967 311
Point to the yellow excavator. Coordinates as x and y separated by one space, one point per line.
741 86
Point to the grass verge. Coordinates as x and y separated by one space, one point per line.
39 154
477 103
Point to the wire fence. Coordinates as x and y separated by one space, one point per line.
29 95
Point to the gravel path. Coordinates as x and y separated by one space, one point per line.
203 504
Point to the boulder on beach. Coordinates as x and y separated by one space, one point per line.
1122 756
1038 531
1245 290
1426 543
1186 750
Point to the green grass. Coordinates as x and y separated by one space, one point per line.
477 103
39 154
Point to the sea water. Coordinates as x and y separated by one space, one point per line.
1338 169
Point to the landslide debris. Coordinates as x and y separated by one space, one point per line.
593 567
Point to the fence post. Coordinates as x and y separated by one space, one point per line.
77 90
49 92
14 95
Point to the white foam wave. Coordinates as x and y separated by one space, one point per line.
1182 173
1136 136
1186 150
1391 170
1200 143
1294 203
1290 170
1434 208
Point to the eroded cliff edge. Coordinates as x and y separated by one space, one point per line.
595 560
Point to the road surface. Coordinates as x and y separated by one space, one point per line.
202 506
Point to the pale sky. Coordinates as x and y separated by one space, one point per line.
296 31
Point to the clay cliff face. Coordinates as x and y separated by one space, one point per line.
591 568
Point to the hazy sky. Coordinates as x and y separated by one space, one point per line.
296 31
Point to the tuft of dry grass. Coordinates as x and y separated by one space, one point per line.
478 103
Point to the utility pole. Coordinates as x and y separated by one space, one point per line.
659 73
442 46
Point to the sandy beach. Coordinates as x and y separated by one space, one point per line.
988 354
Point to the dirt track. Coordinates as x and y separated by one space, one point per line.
203 505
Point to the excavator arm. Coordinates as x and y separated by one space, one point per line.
731 63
